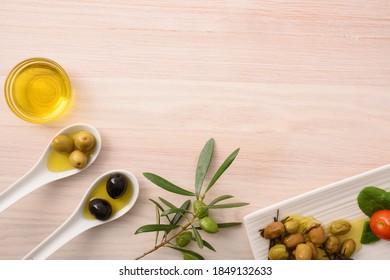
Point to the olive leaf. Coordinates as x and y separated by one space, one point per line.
157 204
224 225
158 222
178 216
228 205
219 198
155 227
167 203
173 210
166 185
159 207
227 225
225 165
189 252
204 209
203 165
198 238
208 245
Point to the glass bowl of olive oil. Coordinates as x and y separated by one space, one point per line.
38 90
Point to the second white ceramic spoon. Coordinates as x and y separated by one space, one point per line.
40 174
78 222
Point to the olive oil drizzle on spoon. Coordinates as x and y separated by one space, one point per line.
40 174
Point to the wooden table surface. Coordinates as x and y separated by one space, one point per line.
302 87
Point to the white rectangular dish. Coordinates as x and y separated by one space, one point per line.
334 201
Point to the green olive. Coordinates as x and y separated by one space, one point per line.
62 144
208 225
332 244
348 247
292 240
183 238
187 256
78 159
314 250
317 234
273 230
303 252
278 252
339 227
291 226
84 141
199 209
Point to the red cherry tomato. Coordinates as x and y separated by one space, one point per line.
380 224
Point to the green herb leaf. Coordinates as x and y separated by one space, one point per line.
220 198
178 216
193 254
208 245
167 203
159 207
166 185
227 225
224 225
368 237
158 221
372 199
203 165
198 238
157 204
173 210
229 205
155 227
213 202
223 168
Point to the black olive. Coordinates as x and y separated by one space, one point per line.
100 208
116 185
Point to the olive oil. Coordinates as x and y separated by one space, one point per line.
101 192
57 162
38 90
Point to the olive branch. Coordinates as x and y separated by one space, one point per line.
183 225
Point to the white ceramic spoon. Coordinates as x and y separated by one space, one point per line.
40 175
78 223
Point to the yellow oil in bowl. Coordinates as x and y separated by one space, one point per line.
38 90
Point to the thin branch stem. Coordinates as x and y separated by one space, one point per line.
167 240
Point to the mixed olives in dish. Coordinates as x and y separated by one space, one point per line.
304 238
108 197
76 147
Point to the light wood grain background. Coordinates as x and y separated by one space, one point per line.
302 87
